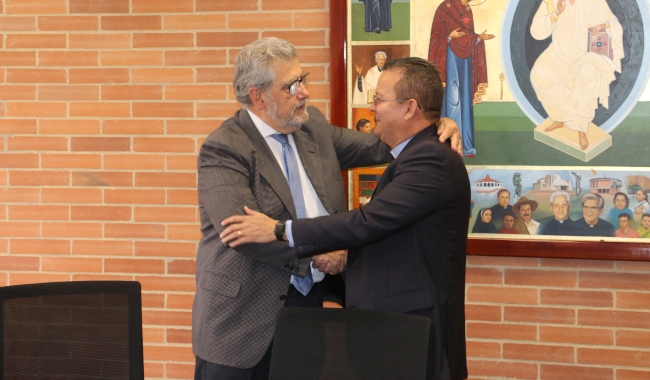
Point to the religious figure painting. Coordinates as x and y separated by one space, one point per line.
368 62
380 20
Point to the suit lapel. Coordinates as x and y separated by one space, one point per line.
267 164
311 160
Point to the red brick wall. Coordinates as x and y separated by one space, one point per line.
103 106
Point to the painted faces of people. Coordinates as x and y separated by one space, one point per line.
624 221
508 222
645 222
619 202
526 212
640 196
590 211
380 60
560 207
487 216
504 198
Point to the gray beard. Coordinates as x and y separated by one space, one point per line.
292 121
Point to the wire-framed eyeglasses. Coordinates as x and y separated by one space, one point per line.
376 100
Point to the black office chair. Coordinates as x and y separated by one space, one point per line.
314 343
71 330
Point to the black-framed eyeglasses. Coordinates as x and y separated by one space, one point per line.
376 100
294 86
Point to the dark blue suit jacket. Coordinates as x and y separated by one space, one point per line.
408 246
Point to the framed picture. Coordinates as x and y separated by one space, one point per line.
519 148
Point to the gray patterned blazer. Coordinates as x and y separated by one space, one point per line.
239 291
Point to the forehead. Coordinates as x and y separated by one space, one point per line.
560 199
526 205
591 201
285 70
386 82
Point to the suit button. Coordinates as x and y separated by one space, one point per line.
283 297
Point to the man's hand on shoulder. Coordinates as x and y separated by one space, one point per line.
448 129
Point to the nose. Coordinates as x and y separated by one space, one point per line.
303 92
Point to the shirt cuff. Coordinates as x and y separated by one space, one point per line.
287 230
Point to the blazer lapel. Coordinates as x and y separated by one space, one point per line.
311 161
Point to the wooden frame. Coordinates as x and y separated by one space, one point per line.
489 247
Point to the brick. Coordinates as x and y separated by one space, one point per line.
300 38
17 126
35 278
509 295
19 263
163 144
133 127
226 5
19 195
179 371
538 352
225 39
613 357
502 369
576 335
68 92
633 338
131 196
104 6
130 230
182 197
164 214
153 335
39 178
17 24
37 143
181 162
131 23
157 6
194 21
100 213
100 109
134 266
37 109
71 229
17 58
78 76
182 267
483 313
483 276
35 6
627 374
191 127
17 92
40 246
577 298
69 126
221 110
483 349
153 300
319 91
195 92
573 372
179 336
163 353
68 58
103 247
99 277
36 76
163 75
19 229
134 162
636 266
35 41
216 74
539 315
161 40
19 161
614 318
165 180
165 249
577 263
130 92
501 331
163 283
68 23
180 301
261 20
38 212
195 58
71 264
633 300
163 109
636 281
131 58
307 20
320 55
56 195
102 179
101 144
154 370
105 41
78 161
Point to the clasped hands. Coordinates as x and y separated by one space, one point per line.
255 227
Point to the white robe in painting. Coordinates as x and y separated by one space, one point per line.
569 80
368 84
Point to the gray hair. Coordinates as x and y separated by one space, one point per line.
252 66
560 193
593 197
381 52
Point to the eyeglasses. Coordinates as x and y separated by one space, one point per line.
294 86
591 208
376 100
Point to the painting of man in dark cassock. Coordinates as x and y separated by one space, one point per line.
378 15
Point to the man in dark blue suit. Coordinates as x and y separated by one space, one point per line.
407 246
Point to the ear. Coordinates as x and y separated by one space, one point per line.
256 97
411 109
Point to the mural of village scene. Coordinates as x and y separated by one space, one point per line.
597 204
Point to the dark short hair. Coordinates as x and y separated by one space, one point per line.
508 213
644 215
361 123
501 191
419 80
627 200
625 215
594 197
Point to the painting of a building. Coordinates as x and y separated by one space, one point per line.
552 182
486 185
605 185
640 180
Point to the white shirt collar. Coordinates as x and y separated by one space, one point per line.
265 129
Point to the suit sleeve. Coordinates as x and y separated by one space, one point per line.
419 186
228 181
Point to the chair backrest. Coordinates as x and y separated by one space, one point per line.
315 343
72 330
